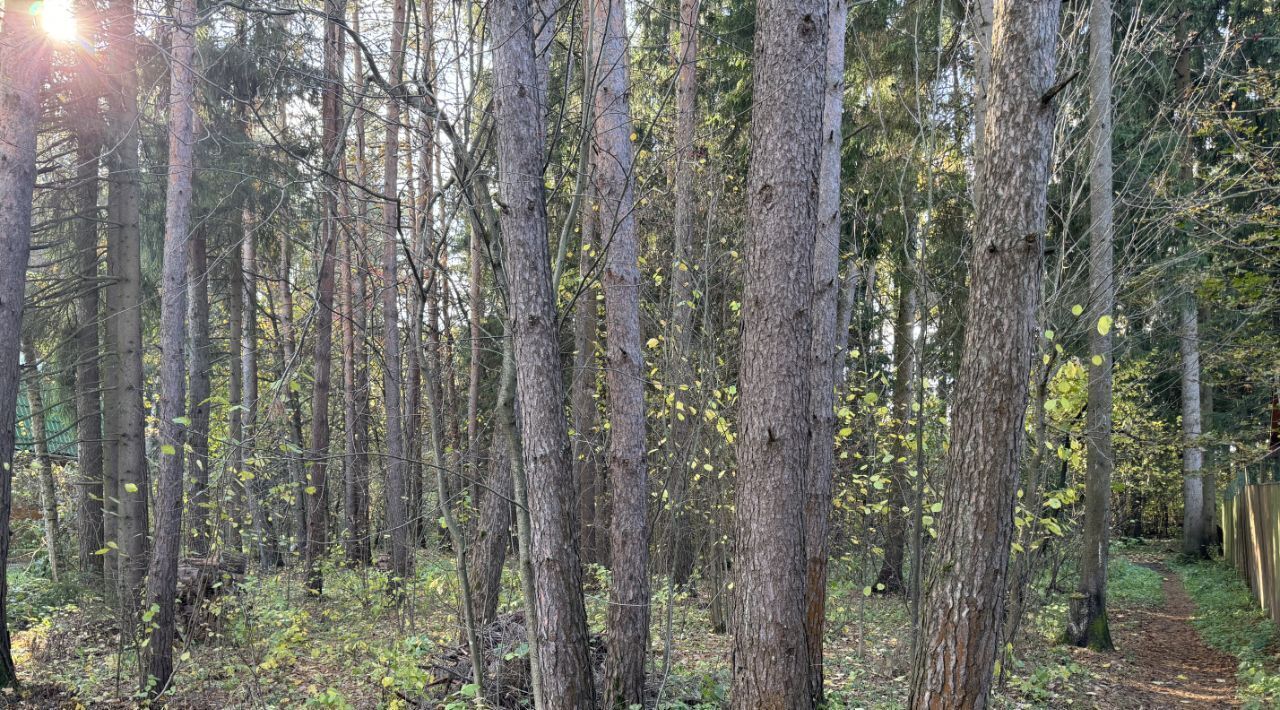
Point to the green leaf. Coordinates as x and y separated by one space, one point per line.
168 450
1104 325
1097 360
1077 309
131 487
184 421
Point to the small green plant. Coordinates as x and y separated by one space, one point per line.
1229 621
1130 583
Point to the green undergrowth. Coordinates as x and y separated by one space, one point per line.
1229 620
1130 583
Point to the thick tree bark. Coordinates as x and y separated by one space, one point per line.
317 487
1193 533
24 61
770 650
493 531
392 375
1087 623
561 625
162 578
964 605
826 348
88 319
981 15
613 158
125 262
198 365
680 550
44 464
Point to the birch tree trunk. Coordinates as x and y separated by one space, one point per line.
1087 621
561 625
771 663
1193 533
44 465
964 605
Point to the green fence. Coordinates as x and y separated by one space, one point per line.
1250 516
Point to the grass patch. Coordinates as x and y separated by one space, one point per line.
1229 621
1129 583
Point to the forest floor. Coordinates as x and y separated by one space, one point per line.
1187 635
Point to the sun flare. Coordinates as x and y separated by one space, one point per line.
57 19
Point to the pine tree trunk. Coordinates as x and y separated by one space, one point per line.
680 550
259 478
613 157
24 60
392 374
1087 623
904 358
770 651
826 348
125 263
162 578
88 317
964 606
585 411
316 489
198 365
561 625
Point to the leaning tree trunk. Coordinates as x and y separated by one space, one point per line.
1192 455
826 349
770 650
88 373
561 625
24 60
39 434
964 605
1087 623
162 578
613 157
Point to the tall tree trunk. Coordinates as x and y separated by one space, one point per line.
125 257
288 368
317 488
198 365
770 649
1087 623
981 16
826 347
964 605
680 544
44 464
258 477
355 505
397 503
162 578
235 410
1193 534
88 317
561 624
613 158
585 411
24 61
904 362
